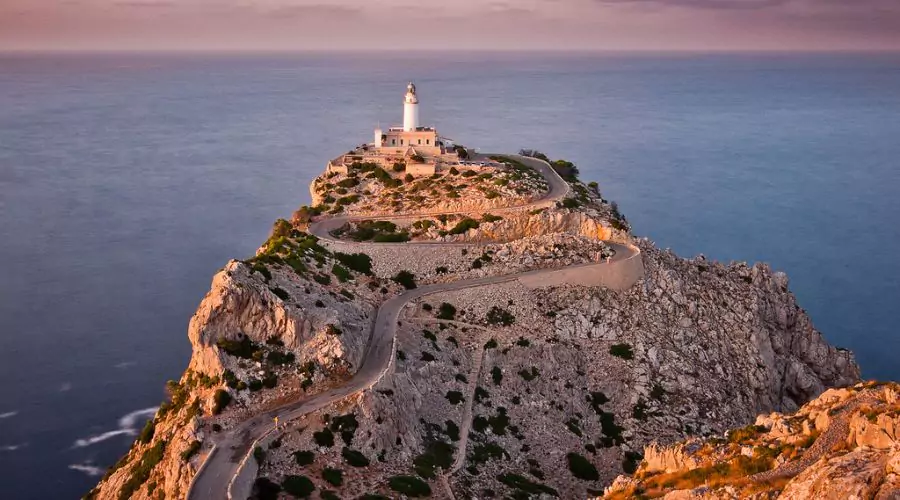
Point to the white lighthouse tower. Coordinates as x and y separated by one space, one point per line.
411 109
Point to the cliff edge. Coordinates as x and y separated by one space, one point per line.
519 343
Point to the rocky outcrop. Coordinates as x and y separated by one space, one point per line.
841 445
515 226
494 388
243 304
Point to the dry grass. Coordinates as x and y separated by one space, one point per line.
734 472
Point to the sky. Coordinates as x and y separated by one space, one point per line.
314 25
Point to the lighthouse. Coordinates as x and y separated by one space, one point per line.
411 109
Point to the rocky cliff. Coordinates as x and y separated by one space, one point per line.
493 388
843 444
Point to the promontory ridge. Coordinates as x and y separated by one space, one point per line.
450 324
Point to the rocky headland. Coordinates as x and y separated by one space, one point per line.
479 335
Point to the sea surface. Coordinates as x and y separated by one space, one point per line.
126 181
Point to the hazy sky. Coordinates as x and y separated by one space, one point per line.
450 24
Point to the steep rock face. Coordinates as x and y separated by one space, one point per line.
501 389
523 225
521 380
841 445
243 304
731 339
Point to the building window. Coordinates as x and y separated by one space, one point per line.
427 141
401 142
420 141
393 142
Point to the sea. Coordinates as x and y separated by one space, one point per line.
128 179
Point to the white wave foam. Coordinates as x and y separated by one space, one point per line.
81 443
127 426
65 387
89 469
12 447
130 420
8 414
125 364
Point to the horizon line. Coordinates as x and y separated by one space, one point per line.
252 51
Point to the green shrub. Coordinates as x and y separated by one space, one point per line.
529 375
481 394
281 294
147 432
621 351
596 399
305 213
612 432
500 316
525 485
573 426
581 467
452 430
334 477
140 472
490 344
491 218
259 267
743 434
358 262
455 397
438 454
191 450
497 375
631 461
410 486
427 356
298 486
406 279
281 358
259 455
483 452
341 273
266 489
566 169
639 412
464 225
324 438
354 458
400 237
221 400
333 330
243 348
446 311
329 495
304 457
255 385
523 342
570 203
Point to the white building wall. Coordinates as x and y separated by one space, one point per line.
410 116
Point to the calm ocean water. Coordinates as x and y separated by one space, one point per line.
126 181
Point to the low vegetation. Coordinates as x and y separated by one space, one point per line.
410 486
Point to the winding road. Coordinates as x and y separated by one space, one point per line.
233 448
